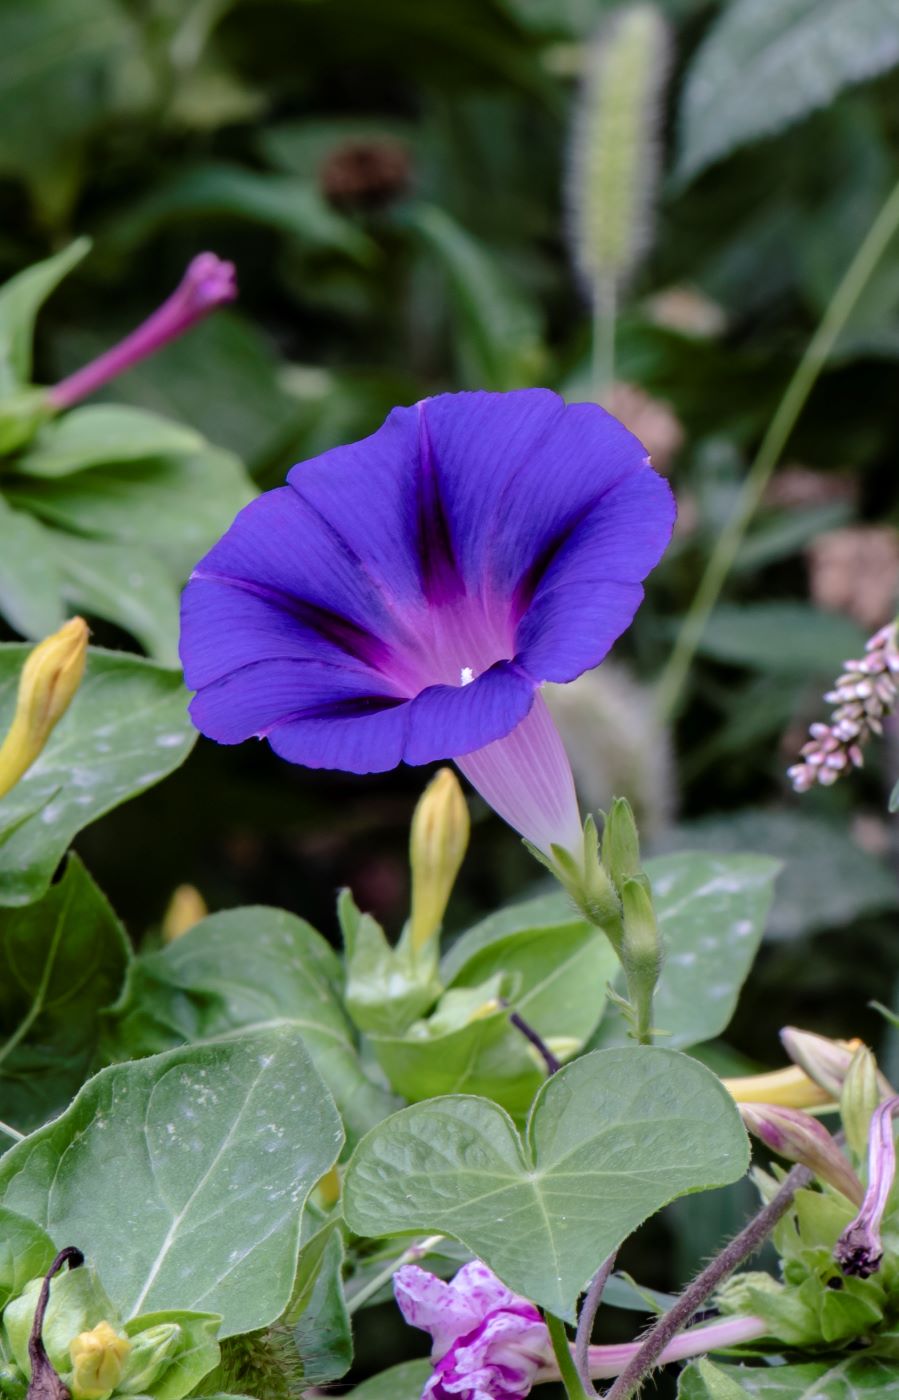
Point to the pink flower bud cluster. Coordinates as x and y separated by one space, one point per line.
863 695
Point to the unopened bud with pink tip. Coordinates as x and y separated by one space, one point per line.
825 1061
208 282
800 1138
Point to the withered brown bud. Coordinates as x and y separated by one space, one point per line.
45 1383
365 174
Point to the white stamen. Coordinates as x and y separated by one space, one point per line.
467 676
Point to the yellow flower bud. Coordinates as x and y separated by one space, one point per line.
98 1359
49 679
437 846
790 1088
186 908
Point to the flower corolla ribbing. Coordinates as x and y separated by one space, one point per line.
489 1344
403 598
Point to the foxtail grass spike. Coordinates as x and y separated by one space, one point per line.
614 163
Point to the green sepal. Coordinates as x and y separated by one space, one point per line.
21 415
170 1354
387 988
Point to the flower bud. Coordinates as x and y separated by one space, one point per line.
860 1097
437 845
620 843
98 1357
49 680
186 908
790 1088
150 1350
78 1302
800 1138
859 1250
825 1061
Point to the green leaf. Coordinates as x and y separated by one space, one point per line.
403 1382
62 959
22 297
291 206
789 638
762 67
30 582
702 1380
249 968
126 728
845 1378
26 1252
498 327
711 912
176 506
124 584
610 1139
184 1175
323 1335
826 879
894 798
103 435
554 971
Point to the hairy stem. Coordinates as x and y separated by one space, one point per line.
703 1286
586 1319
841 306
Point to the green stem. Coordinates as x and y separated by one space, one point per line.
565 1361
840 308
374 1285
12 1132
604 317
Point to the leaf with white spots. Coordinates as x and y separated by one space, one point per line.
711 911
126 728
610 1139
183 1177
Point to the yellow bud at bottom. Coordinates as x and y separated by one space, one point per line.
98 1359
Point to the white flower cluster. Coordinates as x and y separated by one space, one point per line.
863 695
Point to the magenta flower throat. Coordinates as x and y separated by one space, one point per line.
403 598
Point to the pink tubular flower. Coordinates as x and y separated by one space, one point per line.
207 283
489 1344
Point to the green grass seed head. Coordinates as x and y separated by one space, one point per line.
615 147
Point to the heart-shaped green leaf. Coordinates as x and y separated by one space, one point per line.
610 1139
183 1177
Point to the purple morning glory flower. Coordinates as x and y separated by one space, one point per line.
402 599
489 1344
